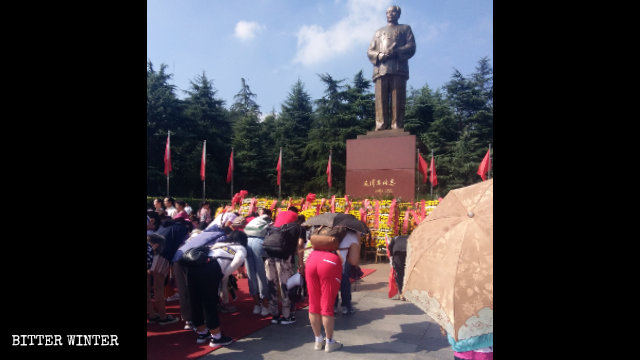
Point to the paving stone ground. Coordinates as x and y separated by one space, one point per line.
381 328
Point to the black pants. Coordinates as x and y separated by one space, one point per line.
204 281
398 262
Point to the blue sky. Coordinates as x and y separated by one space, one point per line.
273 43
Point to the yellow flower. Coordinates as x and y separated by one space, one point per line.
308 213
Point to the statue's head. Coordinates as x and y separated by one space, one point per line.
393 14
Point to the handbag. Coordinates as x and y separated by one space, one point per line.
327 238
196 256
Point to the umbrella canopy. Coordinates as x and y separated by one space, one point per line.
449 271
337 219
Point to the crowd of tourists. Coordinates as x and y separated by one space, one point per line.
234 246
202 257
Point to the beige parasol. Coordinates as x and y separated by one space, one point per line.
449 271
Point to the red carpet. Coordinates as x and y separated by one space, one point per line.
172 342
366 272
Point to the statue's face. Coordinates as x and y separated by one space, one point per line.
393 15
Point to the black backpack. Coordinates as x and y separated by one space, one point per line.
281 242
195 256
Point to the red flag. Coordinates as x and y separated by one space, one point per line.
167 157
393 286
279 166
433 178
204 160
329 172
485 166
230 170
422 168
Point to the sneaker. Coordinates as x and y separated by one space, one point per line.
333 346
167 320
224 340
276 319
203 338
257 309
265 311
173 297
347 310
228 308
188 325
318 345
287 320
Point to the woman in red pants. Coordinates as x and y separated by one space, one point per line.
323 274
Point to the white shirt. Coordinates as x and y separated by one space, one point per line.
217 221
348 240
236 254
229 216
171 211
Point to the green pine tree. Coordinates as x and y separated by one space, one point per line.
211 123
248 157
164 113
291 132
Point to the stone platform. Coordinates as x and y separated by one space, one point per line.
382 164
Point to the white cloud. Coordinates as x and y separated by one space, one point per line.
247 30
364 17
435 31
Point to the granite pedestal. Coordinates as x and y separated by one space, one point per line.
381 164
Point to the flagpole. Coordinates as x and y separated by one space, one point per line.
280 184
489 174
417 176
330 156
204 156
169 142
232 171
431 181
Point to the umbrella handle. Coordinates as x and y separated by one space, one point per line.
443 331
